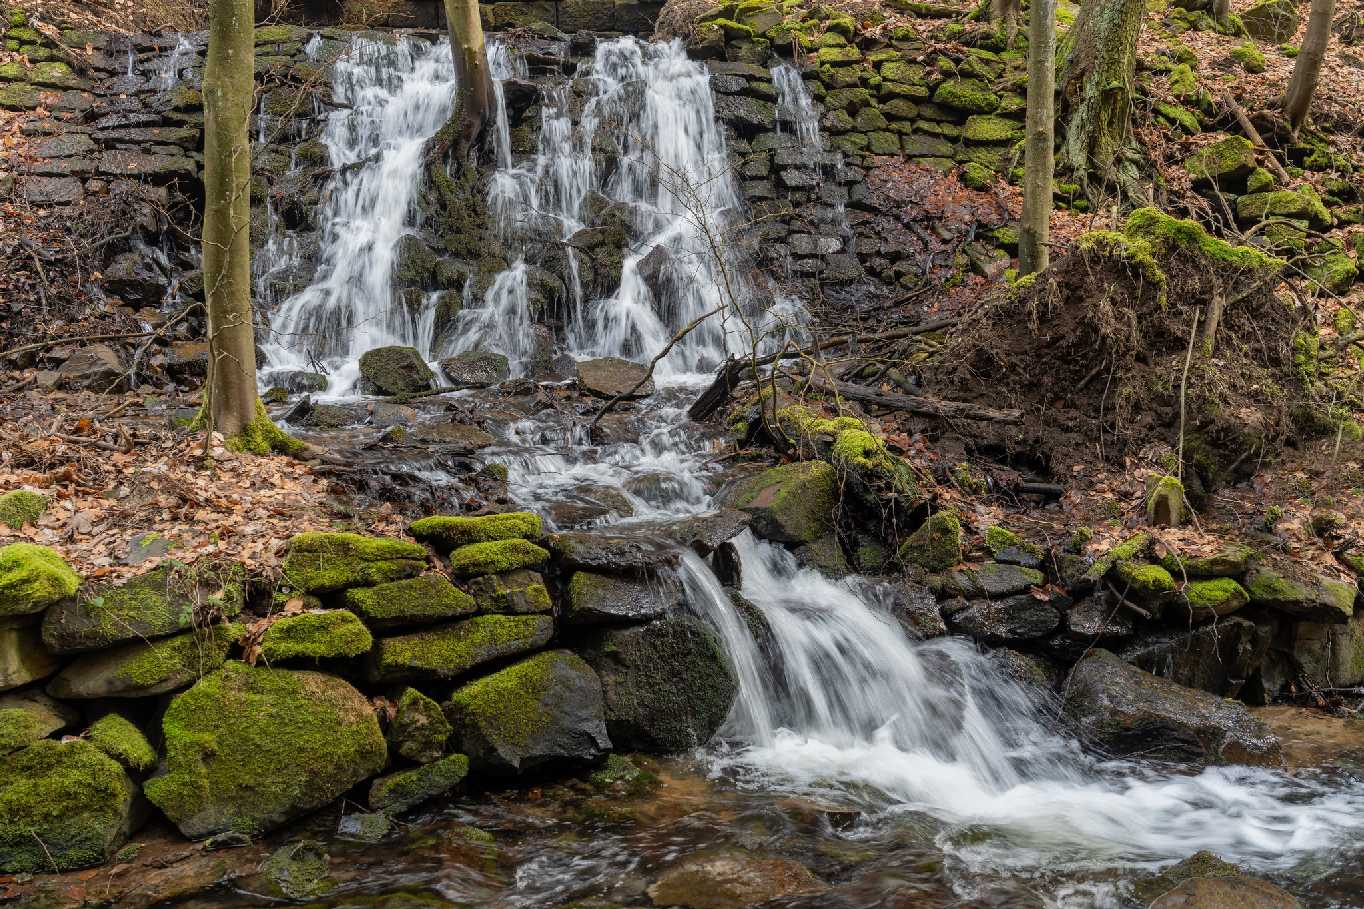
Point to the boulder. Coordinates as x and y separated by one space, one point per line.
146 668
331 562
595 599
411 601
122 741
608 377
1223 162
496 557
135 278
1217 658
729 878
409 788
1015 618
168 599
419 729
248 749
313 636
668 684
458 438
1208 599
935 545
793 503
1027 669
27 716
1327 601
1298 205
704 533
588 504
449 532
915 608
23 658
1124 711
476 369
95 367
1330 656
1199 865
450 651
66 805
992 580
1274 21
396 370
519 592
32 578
611 554
544 710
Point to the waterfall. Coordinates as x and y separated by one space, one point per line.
796 108
169 73
396 96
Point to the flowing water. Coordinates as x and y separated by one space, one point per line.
840 707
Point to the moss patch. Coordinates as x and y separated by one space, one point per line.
1215 597
330 562
409 788
513 592
419 729
315 636
20 727
33 578
1144 580
496 557
793 503
21 506
146 669
936 545
123 742
412 601
448 533
449 651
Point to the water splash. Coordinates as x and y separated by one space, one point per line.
796 108
171 70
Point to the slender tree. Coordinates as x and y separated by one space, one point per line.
474 92
1221 11
231 404
1297 100
1035 230
1004 11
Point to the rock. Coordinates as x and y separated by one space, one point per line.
331 562
544 710
17 508
606 599
32 578
248 749
152 168
1142 581
449 651
134 277
970 96
496 557
728 878
704 533
1241 892
1027 669
1274 21
668 685
23 658
936 545
825 555
449 532
1216 658
49 190
315 636
1125 711
123 742
458 437
396 370
1165 503
66 805
1011 549
608 377
517 592
992 580
27 716
364 827
915 608
1015 618
95 367
793 503
419 729
1231 562
146 668
412 601
168 599
1329 601
1202 601
476 369
588 504
611 554
298 871
1297 205
1224 162
1199 865
1330 656
409 788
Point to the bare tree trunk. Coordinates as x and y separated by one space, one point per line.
1004 10
474 94
1035 230
1306 70
1221 11
1097 86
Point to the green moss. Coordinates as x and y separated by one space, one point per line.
619 772
419 730
496 557
123 742
331 562
19 727
451 532
1249 56
315 636
1302 204
1183 82
1166 234
412 601
1000 540
977 176
989 128
936 545
259 437
148 668
1143 579
32 578
971 96
1223 161
1131 548
409 788
21 506
1133 252
449 651
1218 596
516 592
1259 181
1165 504
510 700
1233 560
866 458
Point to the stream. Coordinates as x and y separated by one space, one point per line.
903 772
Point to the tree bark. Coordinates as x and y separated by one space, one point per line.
1307 68
1004 11
474 92
1096 91
1221 11
1035 230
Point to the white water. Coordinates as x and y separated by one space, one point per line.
171 70
796 109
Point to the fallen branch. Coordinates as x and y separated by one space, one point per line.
923 406
1255 138
649 373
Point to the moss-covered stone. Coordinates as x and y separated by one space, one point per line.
1213 598
33 578
1165 503
1141 579
27 716
123 742
248 749
991 129
1224 161
450 532
21 506
992 580
879 479
1250 57
449 651
513 593
971 96
935 545
409 788
412 601
1233 561
332 634
1168 235
145 669
496 557
1300 204
331 562
793 503
1259 180
419 729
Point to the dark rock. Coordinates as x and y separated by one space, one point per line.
1015 618
595 599
63 146
475 369
407 789
745 114
145 668
419 729
95 367
1027 668
916 609
728 878
123 163
135 278
611 554
459 437
1125 711
992 579
608 377
586 505
519 592
396 370
1217 658
704 533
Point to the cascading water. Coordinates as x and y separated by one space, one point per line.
171 70
796 108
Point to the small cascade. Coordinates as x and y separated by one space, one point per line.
796 108
171 71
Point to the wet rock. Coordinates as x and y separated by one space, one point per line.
66 805
32 578
248 749
419 729
27 716
1217 658
295 381
1015 618
668 684
1199 865
1125 711
1326 601
1331 656
705 533
727 878
396 370
793 503
146 668
915 608
992 580
608 377
611 554
1027 669
542 711
517 592
587 505
825 555
595 599
476 369
95 367
330 562
449 651
407 789
299 871
23 658
364 827
459 437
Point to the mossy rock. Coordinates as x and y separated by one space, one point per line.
449 532
988 128
21 506
970 96
249 749
1259 180
1165 502
1231 562
419 730
1011 549
66 805
396 370
1327 601
450 651
407 789
332 634
411 601
1250 57
168 599
331 562
496 557
518 592
595 599
1223 162
935 545
1168 235
1143 580
793 503
146 669
23 658
33 578
1274 21
878 478
543 711
27 716
123 742
1299 205
1333 269
992 580
1212 598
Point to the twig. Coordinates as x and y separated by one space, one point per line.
1256 139
1183 387
649 373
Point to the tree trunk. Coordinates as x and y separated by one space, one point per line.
1298 100
1096 92
1035 230
1004 11
474 93
1221 11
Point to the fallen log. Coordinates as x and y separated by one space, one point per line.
918 404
